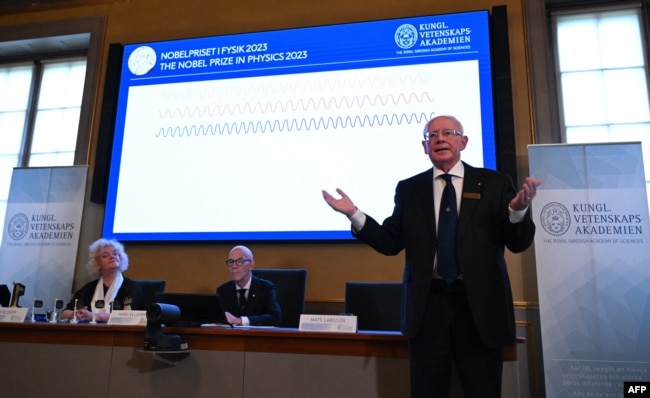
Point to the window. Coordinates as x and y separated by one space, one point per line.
602 83
40 105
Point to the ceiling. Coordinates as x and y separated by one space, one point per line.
75 43
17 49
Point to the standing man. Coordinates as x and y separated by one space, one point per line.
246 299
457 305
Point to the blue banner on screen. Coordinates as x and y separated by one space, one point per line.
233 137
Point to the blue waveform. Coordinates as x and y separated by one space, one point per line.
287 125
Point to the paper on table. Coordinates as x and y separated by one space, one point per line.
216 325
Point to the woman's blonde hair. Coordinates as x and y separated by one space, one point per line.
93 267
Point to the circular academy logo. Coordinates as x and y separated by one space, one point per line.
18 226
555 219
406 36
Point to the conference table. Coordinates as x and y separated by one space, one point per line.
82 360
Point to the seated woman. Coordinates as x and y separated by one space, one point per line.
106 263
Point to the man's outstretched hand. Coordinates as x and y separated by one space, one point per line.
525 196
343 205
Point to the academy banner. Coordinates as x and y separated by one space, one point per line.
592 250
41 232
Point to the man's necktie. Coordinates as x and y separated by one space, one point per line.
242 300
447 220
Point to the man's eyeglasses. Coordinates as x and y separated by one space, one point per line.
446 133
239 262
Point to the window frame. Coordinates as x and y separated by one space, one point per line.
545 108
553 14
93 27
37 65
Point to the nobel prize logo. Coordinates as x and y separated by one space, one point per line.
142 60
406 36
555 219
18 226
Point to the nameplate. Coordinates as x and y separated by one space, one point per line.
125 317
471 195
13 315
328 323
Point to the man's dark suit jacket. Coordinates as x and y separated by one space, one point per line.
262 307
483 231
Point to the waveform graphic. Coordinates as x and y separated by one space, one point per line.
288 125
311 104
265 87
